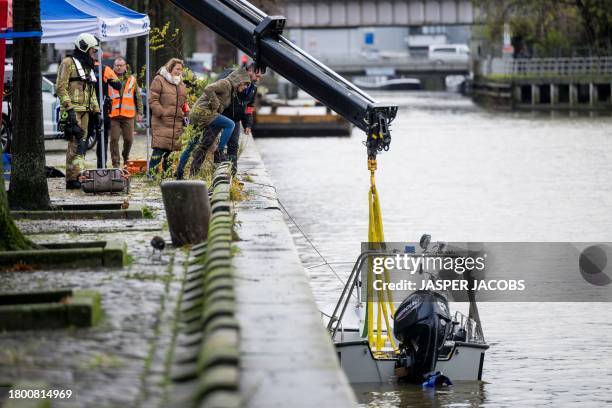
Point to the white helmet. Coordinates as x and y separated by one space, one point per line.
86 41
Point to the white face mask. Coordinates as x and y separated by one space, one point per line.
177 78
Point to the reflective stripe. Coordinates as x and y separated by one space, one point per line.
109 75
123 105
81 71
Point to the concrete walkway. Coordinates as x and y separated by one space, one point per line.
287 357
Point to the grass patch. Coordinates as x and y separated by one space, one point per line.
207 171
147 213
237 193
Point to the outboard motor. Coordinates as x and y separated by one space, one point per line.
421 324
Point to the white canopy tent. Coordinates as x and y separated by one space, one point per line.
63 20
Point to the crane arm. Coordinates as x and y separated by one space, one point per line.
260 36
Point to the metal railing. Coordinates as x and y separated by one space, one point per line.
558 66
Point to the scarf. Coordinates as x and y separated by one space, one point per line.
174 80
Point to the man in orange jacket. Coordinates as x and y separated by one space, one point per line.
126 106
109 79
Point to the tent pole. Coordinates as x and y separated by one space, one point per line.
101 104
148 111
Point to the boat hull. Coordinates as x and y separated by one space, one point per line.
460 361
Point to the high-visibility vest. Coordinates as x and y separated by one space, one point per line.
123 102
109 74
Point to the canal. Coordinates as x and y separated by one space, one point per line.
461 173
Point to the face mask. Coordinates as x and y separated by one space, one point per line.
177 78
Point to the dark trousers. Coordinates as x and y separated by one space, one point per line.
180 169
157 156
199 147
202 148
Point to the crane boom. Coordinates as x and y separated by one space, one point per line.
260 36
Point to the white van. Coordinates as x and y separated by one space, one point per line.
50 104
449 53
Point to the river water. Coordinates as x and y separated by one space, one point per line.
462 173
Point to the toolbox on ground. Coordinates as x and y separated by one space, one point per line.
105 181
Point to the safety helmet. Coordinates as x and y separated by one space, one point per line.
86 41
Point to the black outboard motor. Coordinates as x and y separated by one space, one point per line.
421 324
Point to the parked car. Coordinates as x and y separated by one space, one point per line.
51 108
449 53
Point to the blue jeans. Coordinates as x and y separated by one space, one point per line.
222 123
227 127
185 156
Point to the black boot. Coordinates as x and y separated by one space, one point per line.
73 185
220 157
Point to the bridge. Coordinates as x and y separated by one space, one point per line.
358 37
360 13
431 73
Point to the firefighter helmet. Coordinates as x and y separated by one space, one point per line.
86 41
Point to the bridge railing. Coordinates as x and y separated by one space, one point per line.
397 63
558 66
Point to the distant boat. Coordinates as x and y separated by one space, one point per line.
455 83
388 84
294 120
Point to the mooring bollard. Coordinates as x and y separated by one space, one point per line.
187 210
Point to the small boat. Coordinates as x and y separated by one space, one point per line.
292 121
383 83
426 344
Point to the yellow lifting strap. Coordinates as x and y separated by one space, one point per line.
383 297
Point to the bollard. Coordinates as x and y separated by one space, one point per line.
187 210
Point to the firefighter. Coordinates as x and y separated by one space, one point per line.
76 90
126 106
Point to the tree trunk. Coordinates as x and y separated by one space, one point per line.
160 13
141 48
130 54
28 188
11 239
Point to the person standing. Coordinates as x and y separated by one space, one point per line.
109 79
76 90
168 102
126 105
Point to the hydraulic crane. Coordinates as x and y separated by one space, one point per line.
260 37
